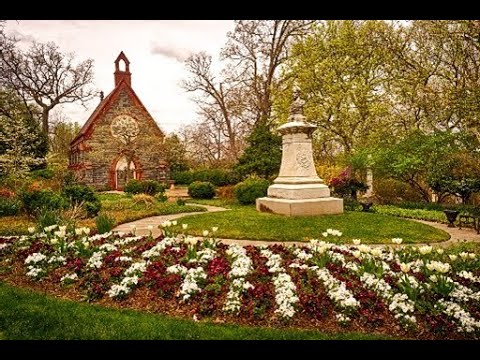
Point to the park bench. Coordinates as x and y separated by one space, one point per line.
470 218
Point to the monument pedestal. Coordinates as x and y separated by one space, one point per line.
303 207
298 191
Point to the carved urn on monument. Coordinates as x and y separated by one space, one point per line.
298 191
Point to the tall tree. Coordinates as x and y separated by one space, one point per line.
340 69
46 76
61 135
256 50
22 145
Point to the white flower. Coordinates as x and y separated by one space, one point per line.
60 234
86 230
463 255
324 234
195 318
405 267
472 256
50 228
174 222
215 228
376 252
79 231
356 241
31 229
397 241
184 226
69 277
452 257
62 228
205 233
356 254
53 241
424 250
364 248
166 224
440 251
150 227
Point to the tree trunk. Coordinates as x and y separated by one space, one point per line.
45 126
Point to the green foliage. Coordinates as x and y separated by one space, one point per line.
218 177
152 187
38 200
181 202
9 206
43 174
149 187
104 223
134 187
263 155
161 196
420 214
82 194
46 218
175 154
62 133
93 208
249 190
79 193
201 190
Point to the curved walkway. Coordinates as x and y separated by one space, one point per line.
456 235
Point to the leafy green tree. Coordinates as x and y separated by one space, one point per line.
62 134
175 153
22 144
263 154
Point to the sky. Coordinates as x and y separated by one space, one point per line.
156 50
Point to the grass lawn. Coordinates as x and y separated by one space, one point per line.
121 207
25 314
244 222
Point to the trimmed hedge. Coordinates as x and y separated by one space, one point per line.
201 190
218 177
249 190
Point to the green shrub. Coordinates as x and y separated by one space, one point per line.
37 200
9 206
218 177
47 218
78 194
93 208
43 174
181 202
104 223
152 187
201 190
133 187
143 199
249 190
161 197
149 187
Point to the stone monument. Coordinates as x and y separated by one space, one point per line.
298 191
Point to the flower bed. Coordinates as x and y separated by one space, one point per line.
408 292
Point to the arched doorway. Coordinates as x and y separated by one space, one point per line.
121 172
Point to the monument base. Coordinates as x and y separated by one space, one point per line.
303 207
298 191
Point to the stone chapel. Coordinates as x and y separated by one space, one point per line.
120 140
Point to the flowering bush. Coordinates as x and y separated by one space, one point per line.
345 185
407 291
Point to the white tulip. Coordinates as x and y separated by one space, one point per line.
215 228
31 229
452 257
79 231
356 241
174 222
184 226
53 241
356 254
325 234
433 278
424 250
440 251
62 228
405 267
463 255
472 256
397 241
205 233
